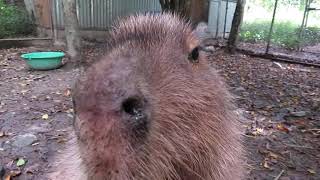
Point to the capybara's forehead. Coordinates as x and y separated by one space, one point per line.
146 31
144 42
143 49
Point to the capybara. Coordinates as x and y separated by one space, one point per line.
152 109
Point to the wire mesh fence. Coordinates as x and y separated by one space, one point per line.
284 28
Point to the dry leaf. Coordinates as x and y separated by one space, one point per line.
258 131
70 110
67 92
281 127
266 165
273 155
12 174
24 91
7 177
2 134
23 84
311 171
15 173
35 144
45 116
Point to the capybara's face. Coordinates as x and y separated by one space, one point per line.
152 108
113 115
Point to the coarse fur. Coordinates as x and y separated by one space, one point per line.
190 131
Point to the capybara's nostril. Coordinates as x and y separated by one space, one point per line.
133 106
138 122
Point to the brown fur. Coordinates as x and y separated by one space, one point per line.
191 131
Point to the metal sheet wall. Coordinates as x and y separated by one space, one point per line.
99 14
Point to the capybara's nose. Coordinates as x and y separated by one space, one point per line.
136 108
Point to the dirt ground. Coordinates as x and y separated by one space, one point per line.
309 54
280 102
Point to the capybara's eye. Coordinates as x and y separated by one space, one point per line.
194 55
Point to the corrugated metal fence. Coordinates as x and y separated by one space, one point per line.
99 14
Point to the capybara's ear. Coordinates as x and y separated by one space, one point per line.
191 41
192 46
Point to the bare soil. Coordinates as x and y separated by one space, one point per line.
280 103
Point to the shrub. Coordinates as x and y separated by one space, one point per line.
285 34
14 21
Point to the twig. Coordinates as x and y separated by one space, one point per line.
297 146
280 174
279 58
249 136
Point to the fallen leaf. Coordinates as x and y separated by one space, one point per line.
273 155
24 91
281 127
258 131
48 97
7 177
266 165
58 93
23 84
70 115
21 162
300 122
45 116
2 134
67 93
12 174
311 171
70 110
61 140
35 144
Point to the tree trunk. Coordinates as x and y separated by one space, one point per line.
72 30
236 24
194 10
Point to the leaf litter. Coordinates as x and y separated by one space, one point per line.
281 107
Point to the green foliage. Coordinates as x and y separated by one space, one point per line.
269 4
285 34
311 35
14 21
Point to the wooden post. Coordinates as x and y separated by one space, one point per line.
236 24
72 29
271 26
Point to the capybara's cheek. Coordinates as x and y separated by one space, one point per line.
103 142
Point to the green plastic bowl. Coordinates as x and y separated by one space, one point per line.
43 60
